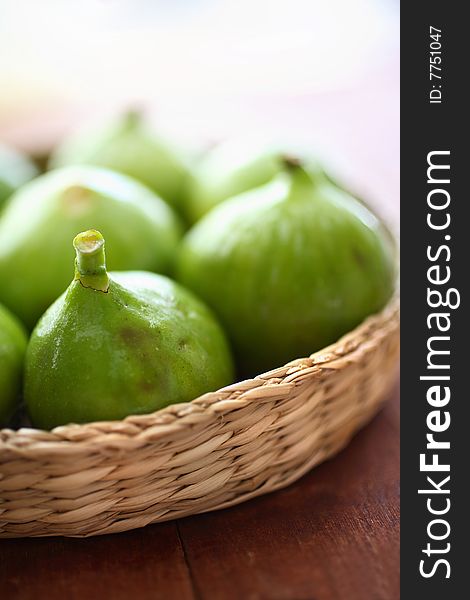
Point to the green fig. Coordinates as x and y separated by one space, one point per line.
288 267
13 342
45 214
233 168
120 343
129 146
15 170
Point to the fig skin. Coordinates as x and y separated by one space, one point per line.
129 146
288 267
36 256
13 342
229 169
136 343
15 170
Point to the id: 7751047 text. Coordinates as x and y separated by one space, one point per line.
435 65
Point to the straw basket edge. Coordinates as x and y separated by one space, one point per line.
223 448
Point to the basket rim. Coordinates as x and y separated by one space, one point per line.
175 418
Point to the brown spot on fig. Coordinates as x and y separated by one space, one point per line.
183 344
76 200
147 386
131 335
359 257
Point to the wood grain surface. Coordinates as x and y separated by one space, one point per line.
332 535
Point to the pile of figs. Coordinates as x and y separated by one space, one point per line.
133 276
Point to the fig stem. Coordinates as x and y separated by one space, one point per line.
90 262
133 116
303 173
291 162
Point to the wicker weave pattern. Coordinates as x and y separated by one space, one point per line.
225 447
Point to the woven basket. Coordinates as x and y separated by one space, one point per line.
225 447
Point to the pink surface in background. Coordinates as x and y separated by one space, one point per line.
356 129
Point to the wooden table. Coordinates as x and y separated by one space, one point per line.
332 535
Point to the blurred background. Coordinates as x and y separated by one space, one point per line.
321 73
